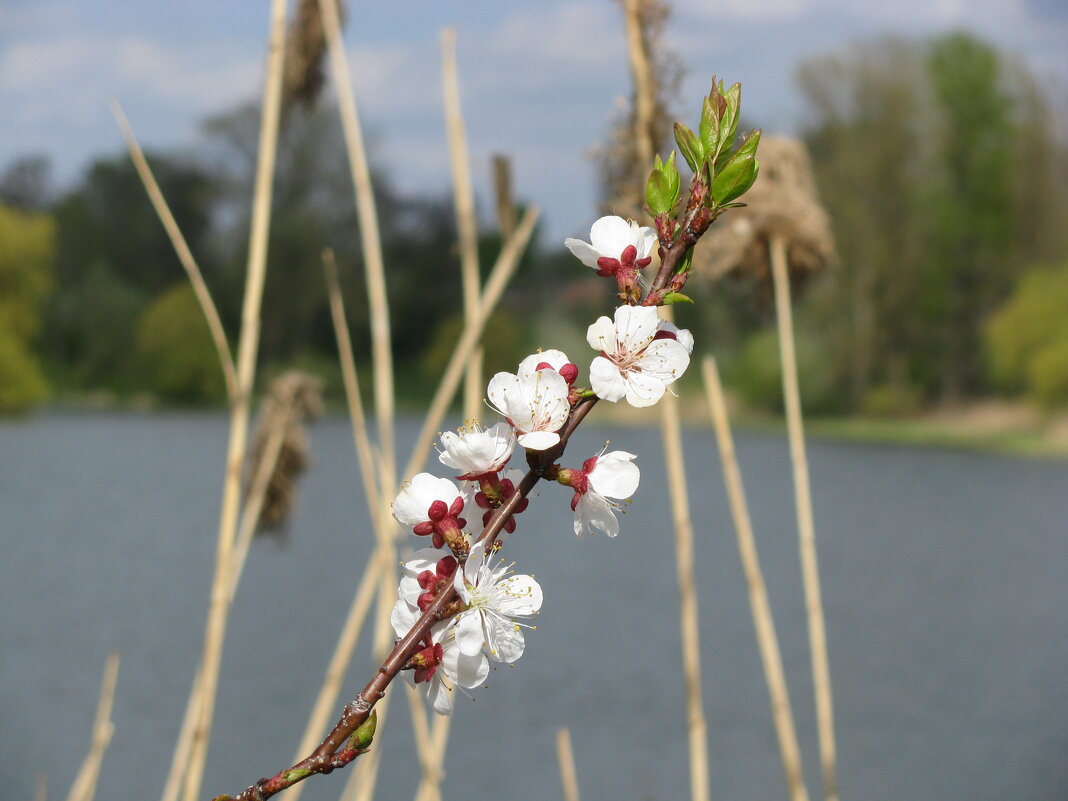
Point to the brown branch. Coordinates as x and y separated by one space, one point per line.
331 753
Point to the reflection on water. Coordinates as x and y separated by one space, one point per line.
944 584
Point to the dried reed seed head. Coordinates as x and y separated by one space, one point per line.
303 76
292 398
783 203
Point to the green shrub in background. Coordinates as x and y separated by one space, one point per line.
175 351
502 350
756 374
1026 340
21 385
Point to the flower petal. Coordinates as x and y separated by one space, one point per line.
610 236
469 637
615 475
520 595
602 335
635 326
594 513
583 251
606 380
539 440
554 358
467 671
504 639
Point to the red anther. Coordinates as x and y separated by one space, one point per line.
664 334
482 501
607 265
424 528
456 507
437 510
569 372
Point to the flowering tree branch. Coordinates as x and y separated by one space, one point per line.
456 609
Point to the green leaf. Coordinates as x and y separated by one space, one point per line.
729 122
690 146
658 193
672 173
709 127
735 179
676 297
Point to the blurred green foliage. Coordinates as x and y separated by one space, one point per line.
175 352
26 253
756 374
1026 340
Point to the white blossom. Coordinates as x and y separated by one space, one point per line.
611 477
609 237
456 668
640 355
556 359
535 403
495 600
475 451
412 505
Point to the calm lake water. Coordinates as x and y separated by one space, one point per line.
945 579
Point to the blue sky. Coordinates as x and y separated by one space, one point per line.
540 80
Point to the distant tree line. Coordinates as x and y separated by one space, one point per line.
940 162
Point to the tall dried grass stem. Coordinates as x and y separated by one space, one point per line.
502 189
84 787
763 623
239 415
181 248
370 238
566 758
641 74
430 783
464 199
817 633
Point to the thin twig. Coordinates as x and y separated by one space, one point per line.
246 369
763 623
181 248
84 787
566 758
464 199
821 675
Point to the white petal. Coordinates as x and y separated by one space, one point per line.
416 496
682 335
615 475
593 512
610 235
554 358
539 440
644 389
521 595
635 326
437 695
602 335
409 590
469 636
504 639
467 671
426 559
583 251
666 359
606 380
403 617
645 240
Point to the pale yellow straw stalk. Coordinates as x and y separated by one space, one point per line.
770 656
566 757
84 787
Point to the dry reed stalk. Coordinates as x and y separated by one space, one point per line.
464 200
84 786
817 633
40 787
763 623
181 248
429 759
370 240
502 185
502 272
566 757
239 416
697 728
